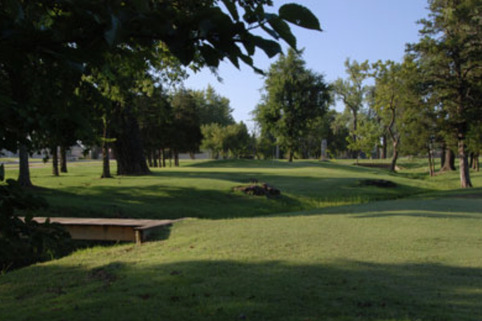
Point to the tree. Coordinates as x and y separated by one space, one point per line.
451 53
294 97
78 35
186 127
367 136
389 100
213 108
352 92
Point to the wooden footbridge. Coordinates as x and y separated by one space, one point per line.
108 229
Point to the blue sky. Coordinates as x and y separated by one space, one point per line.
359 29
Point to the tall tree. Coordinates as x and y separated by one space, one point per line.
352 91
451 52
294 97
186 126
79 34
213 108
389 100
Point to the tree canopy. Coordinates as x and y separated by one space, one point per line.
294 97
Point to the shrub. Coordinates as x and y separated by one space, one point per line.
24 241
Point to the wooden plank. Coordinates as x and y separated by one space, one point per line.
107 229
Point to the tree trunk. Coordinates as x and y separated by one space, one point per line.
164 157
291 156
431 169
384 146
176 158
149 159
475 162
447 160
393 165
128 147
154 158
464 165
63 159
55 161
24 170
105 154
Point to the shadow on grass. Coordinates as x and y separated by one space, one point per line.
450 208
161 201
228 290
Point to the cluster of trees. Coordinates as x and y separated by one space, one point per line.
79 70
432 98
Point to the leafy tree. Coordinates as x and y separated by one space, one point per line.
389 100
294 97
186 133
213 108
352 92
213 139
78 35
231 140
451 53
367 136
474 138
155 121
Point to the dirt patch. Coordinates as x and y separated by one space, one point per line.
261 189
378 183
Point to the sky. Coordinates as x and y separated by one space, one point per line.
355 29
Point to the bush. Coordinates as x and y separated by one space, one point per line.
23 242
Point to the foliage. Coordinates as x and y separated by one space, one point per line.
367 136
231 140
352 92
451 55
213 108
85 39
186 126
294 98
23 242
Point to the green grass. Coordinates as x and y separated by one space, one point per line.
416 254
205 189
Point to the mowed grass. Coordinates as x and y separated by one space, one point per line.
416 254
205 189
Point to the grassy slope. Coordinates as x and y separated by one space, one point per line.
414 259
204 189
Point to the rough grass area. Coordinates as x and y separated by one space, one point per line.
407 253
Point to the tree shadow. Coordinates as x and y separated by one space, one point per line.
160 200
450 208
230 290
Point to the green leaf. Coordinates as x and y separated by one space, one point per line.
283 30
232 9
271 32
270 47
210 55
299 16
